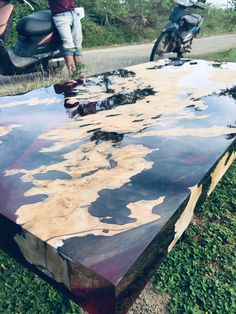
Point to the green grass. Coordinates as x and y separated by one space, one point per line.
22 292
199 273
222 56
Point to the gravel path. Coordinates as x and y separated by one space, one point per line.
151 301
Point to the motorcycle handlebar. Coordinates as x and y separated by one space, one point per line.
35 3
198 7
30 3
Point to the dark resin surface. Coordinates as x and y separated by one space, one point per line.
103 176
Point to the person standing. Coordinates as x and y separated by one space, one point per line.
68 25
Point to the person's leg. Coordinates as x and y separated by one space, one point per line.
78 61
77 39
70 64
64 22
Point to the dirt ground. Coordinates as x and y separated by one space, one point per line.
150 301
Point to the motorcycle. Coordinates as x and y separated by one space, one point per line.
37 48
178 32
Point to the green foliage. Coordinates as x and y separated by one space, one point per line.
200 273
78 72
97 35
217 21
231 14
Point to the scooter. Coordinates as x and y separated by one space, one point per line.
38 45
178 32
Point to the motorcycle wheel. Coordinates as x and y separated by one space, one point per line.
162 45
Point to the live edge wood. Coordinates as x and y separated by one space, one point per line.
99 179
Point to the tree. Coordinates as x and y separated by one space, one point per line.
231 15
232 5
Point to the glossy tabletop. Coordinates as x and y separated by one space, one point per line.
99 179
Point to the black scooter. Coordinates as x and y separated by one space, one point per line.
178 32
38 45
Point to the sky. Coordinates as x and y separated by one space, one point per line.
218 2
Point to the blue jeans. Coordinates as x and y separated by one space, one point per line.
69 27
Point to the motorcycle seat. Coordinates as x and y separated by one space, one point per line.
192 19
36 24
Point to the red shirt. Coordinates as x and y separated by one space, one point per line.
60 6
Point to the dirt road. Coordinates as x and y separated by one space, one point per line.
107 59
101 60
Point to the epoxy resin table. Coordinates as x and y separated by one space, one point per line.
99 180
